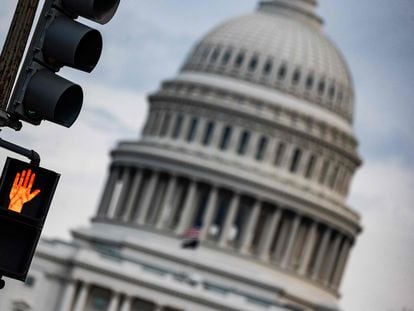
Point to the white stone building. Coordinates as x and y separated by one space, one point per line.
251 142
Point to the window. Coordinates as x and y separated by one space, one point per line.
261 148
282 72
296 77
239 59
253 63
280 152
192 130
205 52
100 303
333 177
215 55
226 57
295 160
225 139
310 167
177 126
243 142
267 68
208 134
321 87
309 82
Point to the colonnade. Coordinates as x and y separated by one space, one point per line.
82 296
270 150
269 231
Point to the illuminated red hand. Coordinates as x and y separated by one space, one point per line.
20 192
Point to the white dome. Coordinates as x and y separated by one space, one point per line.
271 48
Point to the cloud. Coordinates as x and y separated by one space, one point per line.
380 272
80 153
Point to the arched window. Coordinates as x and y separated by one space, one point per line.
239 60
296 77
282 72
192 130
309 82
280 152
215 55
208 134
267 67
253 63
226 57
310 167
261 148
321 87
177 126
205 53
225 138
243 142
294 165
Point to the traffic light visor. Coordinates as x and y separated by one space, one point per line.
100 11
72 44
53 98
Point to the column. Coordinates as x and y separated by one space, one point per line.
133 194
333 252
166 204
269 236
340 267
83 295
201 127
209 212
321 253
303 165
126 179
217 134
231 215
271 150
309 247
186 212
148 195
68 296
252 145
248 232
107 193
113 305
290 147
126 304
280 242
234 139
291 242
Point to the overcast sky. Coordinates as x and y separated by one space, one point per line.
147 42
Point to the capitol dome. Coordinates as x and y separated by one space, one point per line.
250 151
280 46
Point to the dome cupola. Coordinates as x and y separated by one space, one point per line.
280 47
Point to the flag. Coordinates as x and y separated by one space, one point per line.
191 238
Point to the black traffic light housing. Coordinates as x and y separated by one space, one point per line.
59 40
21 222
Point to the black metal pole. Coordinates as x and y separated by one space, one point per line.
31 154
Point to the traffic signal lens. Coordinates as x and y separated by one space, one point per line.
73 44
88 51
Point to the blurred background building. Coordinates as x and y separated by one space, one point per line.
251 148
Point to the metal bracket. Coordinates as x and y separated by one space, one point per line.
31 154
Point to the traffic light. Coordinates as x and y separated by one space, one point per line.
59 40
26 192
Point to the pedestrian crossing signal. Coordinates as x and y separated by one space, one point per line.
26 192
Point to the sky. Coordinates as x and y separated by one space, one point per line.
147 41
